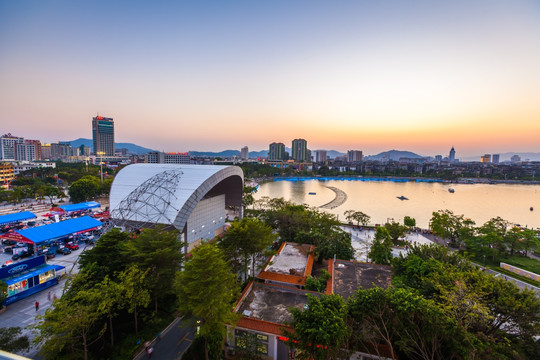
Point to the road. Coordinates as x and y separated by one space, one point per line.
175 340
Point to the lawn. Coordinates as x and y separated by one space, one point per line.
523 262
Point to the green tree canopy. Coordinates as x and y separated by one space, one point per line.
381 248
320 330
245 242
208 295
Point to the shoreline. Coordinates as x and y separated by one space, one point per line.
471 181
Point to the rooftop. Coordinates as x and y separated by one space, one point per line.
349 276
270 303
292 264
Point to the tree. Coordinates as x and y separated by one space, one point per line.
338 244
83 189
395 230
247 196
320 330
105 258
245 242
357 216
12 341
158 251
381 248
410 222
446 225
208 295
67 329
134 291
51 192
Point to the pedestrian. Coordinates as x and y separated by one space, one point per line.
150 351
54 296
37 305
49 296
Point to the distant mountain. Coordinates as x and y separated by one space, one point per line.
506 156
222 154
393 155
132 148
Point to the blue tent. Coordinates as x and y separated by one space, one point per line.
59 230
9 218
80 206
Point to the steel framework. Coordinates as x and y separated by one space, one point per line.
147 205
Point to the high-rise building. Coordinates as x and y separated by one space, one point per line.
438 157
320 156
244 153
156 157
276 152
36 144
485 158
354 155
103 136
8 146
495 158
515 159
452 155
299 150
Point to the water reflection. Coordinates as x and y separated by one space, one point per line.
378 199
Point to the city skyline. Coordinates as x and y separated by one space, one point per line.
419 77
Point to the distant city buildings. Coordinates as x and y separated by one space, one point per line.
485 158
495 158
452 155
320 156
354 155
244 153
300 150
438 157
276 152
155 157
103 136
515 159
8 145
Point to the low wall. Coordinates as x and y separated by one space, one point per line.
521 272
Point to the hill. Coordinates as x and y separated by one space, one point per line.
132 148
393 155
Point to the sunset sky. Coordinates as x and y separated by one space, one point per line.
421 76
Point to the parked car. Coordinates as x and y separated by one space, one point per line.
71 246
21 255
63 251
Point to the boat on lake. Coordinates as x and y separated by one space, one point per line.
451 191
402 197
312 193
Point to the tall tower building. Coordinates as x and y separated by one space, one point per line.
452 155
495 158
244 153
299 150
103 136
320 156
276 151
354 155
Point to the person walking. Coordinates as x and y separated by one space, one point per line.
150 351
37 305
49 296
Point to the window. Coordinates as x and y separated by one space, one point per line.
251 342
47 275
17 287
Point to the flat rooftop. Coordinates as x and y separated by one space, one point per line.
349 276
291 265
290 260
271 303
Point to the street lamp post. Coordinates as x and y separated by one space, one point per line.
100 153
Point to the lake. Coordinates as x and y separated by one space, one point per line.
379 199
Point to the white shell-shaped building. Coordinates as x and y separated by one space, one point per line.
191 198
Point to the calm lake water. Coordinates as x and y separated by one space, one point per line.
378 199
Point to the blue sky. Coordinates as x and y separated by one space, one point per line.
212 75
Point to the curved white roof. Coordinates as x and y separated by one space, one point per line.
166 193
